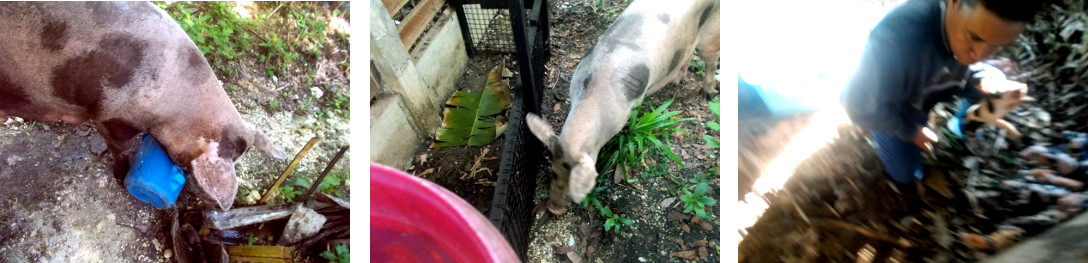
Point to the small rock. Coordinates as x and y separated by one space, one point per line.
668 201
570 241
563 250
251 198
317 92
168 253
304 223
702 253
685 227
14 159
574 257
642 259
98 146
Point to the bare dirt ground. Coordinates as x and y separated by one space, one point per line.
61 203
453 167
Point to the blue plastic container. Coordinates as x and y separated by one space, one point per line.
154 178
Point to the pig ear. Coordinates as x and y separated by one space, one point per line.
544 133
265 144
215 177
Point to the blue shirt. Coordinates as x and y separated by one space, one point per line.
906 68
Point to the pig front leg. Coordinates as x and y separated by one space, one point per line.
121 150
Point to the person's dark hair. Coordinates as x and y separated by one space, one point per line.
1012 10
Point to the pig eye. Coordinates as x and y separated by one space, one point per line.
566 166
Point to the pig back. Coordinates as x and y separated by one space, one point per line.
96 58
646 43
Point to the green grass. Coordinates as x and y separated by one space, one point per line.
643 132
298 185
714 107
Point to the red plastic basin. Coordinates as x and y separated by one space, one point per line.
415 220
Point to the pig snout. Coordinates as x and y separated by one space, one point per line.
215 177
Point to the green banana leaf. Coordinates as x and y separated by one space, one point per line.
469 117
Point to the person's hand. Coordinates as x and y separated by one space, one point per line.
925 139
1045 176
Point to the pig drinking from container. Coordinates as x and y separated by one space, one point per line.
648 46
129 68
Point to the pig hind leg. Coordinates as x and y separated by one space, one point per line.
709 46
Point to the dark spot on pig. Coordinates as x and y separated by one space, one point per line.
663 17
120 130
54 35
12 97
198 71
705 15
232 144
676 59
634 82
585 84
81 80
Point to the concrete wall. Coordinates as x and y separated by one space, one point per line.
442 62
407 108
393 137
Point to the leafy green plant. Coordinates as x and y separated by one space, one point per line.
276 52
338 254
468 116
697 66
289 193
614 221
696 201
591 198
628 148
715 107
215 29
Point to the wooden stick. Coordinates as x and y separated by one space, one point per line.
328 168
290 169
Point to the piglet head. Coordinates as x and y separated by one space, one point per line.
213 169
576 172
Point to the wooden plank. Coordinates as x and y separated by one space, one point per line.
257 259
260 253
417 20
394 6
